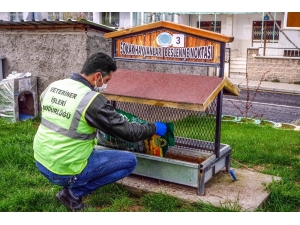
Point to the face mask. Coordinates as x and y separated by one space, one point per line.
99 89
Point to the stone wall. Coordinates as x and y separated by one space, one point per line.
96 42
282 69
49 55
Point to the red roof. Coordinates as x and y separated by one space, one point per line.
167 87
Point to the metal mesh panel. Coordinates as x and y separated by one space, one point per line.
192 129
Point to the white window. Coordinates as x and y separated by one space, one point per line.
150 17
89 16
70 15
54 15
136 19
111 19
16 16
169 17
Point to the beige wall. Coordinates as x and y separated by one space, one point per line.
284 69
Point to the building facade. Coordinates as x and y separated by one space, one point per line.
272 35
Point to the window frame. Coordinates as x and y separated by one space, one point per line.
17 15
137 19
52 16
110 19
209 25
258 23
149 17
285 26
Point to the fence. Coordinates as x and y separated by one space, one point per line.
279 51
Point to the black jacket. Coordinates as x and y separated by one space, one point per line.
102 115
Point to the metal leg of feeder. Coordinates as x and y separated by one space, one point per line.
228 162
201 179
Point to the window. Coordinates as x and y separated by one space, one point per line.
169 17
157 17
111 19
16 16
89 16
136 19
270 31
150 17
214 26
114 19
54 15
70 15
293 19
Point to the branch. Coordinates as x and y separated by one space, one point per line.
279 28
237 107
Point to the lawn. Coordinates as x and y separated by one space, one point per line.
262 148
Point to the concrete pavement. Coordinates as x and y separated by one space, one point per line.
246 194
266 85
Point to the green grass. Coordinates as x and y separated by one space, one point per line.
261 148
276 80
274 152
296 82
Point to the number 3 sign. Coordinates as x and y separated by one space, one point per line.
178 40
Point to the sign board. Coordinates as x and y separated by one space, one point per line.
167 45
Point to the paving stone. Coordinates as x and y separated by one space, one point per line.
248 193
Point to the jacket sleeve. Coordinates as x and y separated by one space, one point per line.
102 115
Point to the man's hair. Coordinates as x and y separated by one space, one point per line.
99 62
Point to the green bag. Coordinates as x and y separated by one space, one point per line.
156 145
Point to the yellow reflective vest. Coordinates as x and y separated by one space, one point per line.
64 140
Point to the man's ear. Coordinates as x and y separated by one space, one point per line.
97 76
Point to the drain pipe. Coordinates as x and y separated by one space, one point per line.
1 68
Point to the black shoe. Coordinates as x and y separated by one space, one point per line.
70 202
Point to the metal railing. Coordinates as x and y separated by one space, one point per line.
279 51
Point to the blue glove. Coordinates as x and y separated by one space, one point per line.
161 128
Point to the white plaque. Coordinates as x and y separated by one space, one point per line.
178 40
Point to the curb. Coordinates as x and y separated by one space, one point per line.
268 89
296 128
238 119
